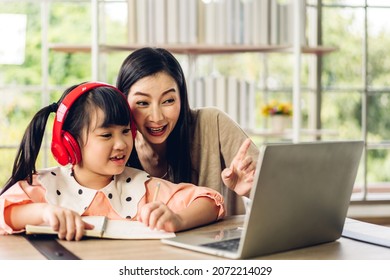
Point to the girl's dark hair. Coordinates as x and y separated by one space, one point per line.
150 61
110 101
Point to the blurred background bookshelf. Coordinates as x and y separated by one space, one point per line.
334 61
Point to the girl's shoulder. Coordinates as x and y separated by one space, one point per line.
54 174
53 170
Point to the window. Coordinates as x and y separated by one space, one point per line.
356 86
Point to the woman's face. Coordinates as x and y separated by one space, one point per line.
155 103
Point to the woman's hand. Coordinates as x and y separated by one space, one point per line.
156 215
239 175
66 222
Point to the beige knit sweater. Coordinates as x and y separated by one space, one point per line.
216 140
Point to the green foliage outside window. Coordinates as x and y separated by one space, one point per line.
342 76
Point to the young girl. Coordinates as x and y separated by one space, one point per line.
92 138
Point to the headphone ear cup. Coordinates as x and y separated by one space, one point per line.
72 148
133 126
133 131
60 153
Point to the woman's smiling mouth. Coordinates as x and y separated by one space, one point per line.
156 131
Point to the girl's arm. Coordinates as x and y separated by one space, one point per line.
201 211
67 222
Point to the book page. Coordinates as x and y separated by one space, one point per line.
120 229
97 221
41 229
113 229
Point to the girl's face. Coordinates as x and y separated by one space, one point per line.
104 152
155 103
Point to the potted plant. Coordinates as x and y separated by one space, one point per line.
280 114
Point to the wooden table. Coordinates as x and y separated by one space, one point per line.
17 247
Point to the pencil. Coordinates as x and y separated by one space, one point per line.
156 192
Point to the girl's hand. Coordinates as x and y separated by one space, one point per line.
66 222
239 175
156 215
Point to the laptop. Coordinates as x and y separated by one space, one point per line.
299 198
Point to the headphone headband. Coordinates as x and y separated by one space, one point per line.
64 147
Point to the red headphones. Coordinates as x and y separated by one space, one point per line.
64 146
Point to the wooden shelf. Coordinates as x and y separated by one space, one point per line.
269 133
195 49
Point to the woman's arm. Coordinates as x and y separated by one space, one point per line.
221 143
240 155
240 174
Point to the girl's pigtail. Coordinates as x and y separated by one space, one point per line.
24 165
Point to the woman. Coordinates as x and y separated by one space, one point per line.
202 146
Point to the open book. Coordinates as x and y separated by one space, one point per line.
106 228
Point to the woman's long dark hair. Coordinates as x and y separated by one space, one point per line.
150 61
110 101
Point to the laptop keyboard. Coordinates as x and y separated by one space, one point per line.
226 245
